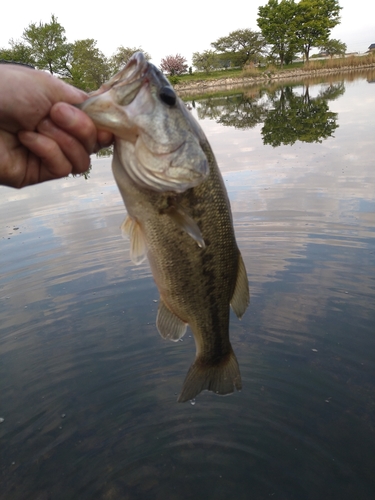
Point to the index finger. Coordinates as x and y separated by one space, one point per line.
77 123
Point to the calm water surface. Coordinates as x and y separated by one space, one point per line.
88 387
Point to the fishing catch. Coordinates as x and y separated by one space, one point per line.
179 217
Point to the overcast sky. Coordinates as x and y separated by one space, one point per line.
167 27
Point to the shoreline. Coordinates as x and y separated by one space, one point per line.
282 75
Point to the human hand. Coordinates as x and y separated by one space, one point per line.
42 136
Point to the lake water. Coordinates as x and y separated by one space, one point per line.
89 388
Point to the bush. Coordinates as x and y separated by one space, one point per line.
174 79
105 152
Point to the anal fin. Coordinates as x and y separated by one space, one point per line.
168 324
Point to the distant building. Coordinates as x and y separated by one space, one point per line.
372 47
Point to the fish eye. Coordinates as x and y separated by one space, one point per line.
168 96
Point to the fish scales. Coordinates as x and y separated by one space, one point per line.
187 235
197 284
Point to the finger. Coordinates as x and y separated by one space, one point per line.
55 90
72 148
47 160
76 123
21 166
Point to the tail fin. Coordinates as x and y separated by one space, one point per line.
221 378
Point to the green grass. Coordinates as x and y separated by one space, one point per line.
214 75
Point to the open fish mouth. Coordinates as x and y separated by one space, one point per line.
152 131
135 70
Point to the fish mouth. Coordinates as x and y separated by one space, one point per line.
139 106
135 69
104 106
161 162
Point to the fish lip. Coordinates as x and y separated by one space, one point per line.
137 68
140 72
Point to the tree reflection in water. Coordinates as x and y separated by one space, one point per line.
239 110
287 116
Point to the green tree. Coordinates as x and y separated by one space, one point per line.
122 56
205 61
241 46
18 52
275 19
48 46
313 22
88 66
333 48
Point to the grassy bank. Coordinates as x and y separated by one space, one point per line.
273 71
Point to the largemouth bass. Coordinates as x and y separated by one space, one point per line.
178 216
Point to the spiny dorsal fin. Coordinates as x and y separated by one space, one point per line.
241 295
138 245
186 223
168 324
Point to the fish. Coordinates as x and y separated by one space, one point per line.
179 217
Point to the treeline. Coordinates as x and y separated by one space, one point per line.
45 47
287 29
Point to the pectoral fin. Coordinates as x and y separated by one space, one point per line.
241 296
138 246
186 223
168 324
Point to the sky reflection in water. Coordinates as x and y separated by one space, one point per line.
88 387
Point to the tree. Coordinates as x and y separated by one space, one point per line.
313 22
333 48
275 21
205 61
88 66
45 46
174 65
122 56
18 52
48 46
241 45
